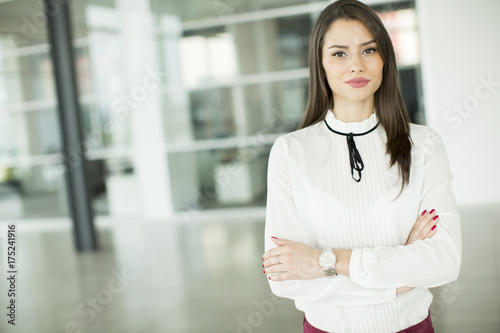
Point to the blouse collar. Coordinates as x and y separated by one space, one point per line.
354 127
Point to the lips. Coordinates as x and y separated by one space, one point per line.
358 82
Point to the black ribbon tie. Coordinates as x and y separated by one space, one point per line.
354 156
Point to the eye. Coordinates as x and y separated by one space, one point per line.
370 50
339 54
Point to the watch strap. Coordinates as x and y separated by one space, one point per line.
330 271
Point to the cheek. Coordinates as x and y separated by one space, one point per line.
379 66
333 72
379 70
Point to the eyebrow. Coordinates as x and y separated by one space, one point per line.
346 47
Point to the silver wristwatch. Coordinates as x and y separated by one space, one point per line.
327 261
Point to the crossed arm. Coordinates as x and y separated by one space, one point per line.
366 275
300 261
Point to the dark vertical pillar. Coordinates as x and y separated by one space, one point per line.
59 29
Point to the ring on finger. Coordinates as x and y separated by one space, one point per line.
414 238
277 260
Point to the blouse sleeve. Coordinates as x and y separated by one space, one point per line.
283 221
425 263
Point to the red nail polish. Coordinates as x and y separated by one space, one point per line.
435 217
432 211
434 227
269 278
264 272
274 237
423 213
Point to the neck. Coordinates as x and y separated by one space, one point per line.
350 111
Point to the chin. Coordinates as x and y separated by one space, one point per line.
360 94
359 97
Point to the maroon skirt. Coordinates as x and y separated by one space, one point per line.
425 326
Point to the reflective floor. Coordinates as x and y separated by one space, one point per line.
206 277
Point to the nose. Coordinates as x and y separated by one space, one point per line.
357 64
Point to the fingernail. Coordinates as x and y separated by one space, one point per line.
432 211
264 272
269 278
262 265
434 227
262 258
274 237
423 213
435 217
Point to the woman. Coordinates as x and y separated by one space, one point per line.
361 218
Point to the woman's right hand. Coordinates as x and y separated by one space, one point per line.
424 228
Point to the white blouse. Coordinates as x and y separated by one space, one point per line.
313 199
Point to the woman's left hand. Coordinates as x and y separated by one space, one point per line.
293 260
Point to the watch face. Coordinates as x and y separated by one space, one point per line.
327 259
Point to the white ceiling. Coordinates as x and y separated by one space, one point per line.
14 14
188 10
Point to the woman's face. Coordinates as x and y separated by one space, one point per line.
350 52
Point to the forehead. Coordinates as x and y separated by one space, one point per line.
344 32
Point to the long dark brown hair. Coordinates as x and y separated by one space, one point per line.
389 105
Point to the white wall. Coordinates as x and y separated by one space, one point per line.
460 51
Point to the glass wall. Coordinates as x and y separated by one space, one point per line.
31 185
180 100
105 107
243 71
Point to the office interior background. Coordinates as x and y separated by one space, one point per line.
180 103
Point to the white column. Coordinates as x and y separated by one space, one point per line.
144 81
